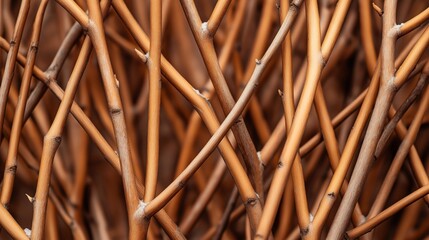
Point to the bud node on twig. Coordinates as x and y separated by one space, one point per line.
304 231
201 95
12 169
115 111
251 202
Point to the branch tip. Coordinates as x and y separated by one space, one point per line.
379 11
30 198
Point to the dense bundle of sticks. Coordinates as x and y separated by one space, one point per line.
212 119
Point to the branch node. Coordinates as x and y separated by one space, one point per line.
140 212
12 169
201 95
346 236
258 61
251 201
392 84
85 31
362 220
34 46
205 29
242 85
293 7
258 154
181 184
396 30
115 111
256 84
323 61
304 231
238 120
50 77
58 139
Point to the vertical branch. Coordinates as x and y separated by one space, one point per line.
54 68
127 101
11 60
350 147
212 77
226 99
289 110
399 158
52 141
248 197
81 165
96 33
391 81
154 62
383 101
11 163
110 155
291 146
195 121
365 18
